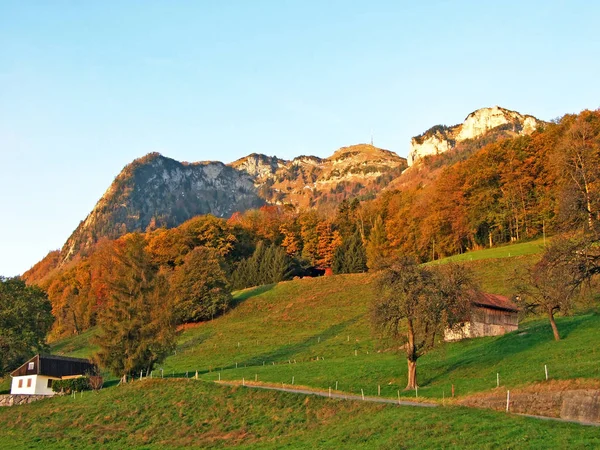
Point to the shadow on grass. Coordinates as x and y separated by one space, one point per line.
194 341
249 293
288 351
283 353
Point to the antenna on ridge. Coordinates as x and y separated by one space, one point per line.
371 136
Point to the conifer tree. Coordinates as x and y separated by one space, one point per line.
376 249
266 265
137 326
350 257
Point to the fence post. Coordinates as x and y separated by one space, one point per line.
546 370
507 400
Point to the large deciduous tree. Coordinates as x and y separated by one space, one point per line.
25 319
415 304
138 323
579 157
199 286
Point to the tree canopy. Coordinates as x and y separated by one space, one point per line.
25 318
137 326
415 304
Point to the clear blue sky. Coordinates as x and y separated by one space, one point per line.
85 87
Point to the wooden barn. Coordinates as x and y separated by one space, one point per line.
35 377
491 315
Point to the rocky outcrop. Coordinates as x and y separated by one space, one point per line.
307 181
440 138
259 167
156 191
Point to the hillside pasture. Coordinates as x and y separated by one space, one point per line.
157 414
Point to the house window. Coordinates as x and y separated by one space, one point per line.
28 382
30 366
21 383
50 383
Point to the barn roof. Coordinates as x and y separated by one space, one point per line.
55 366
494 301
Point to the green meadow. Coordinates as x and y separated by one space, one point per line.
158 414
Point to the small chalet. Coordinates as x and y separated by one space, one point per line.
35 377
491 315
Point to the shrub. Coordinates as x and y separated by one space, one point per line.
72 385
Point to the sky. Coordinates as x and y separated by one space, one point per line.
86 87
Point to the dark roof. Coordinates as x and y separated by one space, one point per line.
494 301
55 366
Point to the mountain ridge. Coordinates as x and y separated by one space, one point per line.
156 191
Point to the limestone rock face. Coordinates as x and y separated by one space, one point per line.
440 138
156 191
308 180
260 167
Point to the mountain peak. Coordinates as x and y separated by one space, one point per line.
441 138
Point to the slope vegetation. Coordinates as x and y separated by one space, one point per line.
316 332
156 414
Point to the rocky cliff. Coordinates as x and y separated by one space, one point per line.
306 181
441 138
156 191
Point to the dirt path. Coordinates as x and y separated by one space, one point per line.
336 395
383 400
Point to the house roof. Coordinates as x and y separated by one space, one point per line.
55 366
494 301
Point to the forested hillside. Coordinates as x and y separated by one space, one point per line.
481 194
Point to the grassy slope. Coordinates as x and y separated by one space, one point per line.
293 323
504 251
155 414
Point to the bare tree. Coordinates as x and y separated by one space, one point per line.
414 304
553 283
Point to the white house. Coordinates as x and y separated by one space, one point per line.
36 376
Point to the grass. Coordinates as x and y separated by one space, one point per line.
156 414
504 251
316 331
79 346
5 385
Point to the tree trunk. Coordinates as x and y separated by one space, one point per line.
553 323
411 357
412 375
